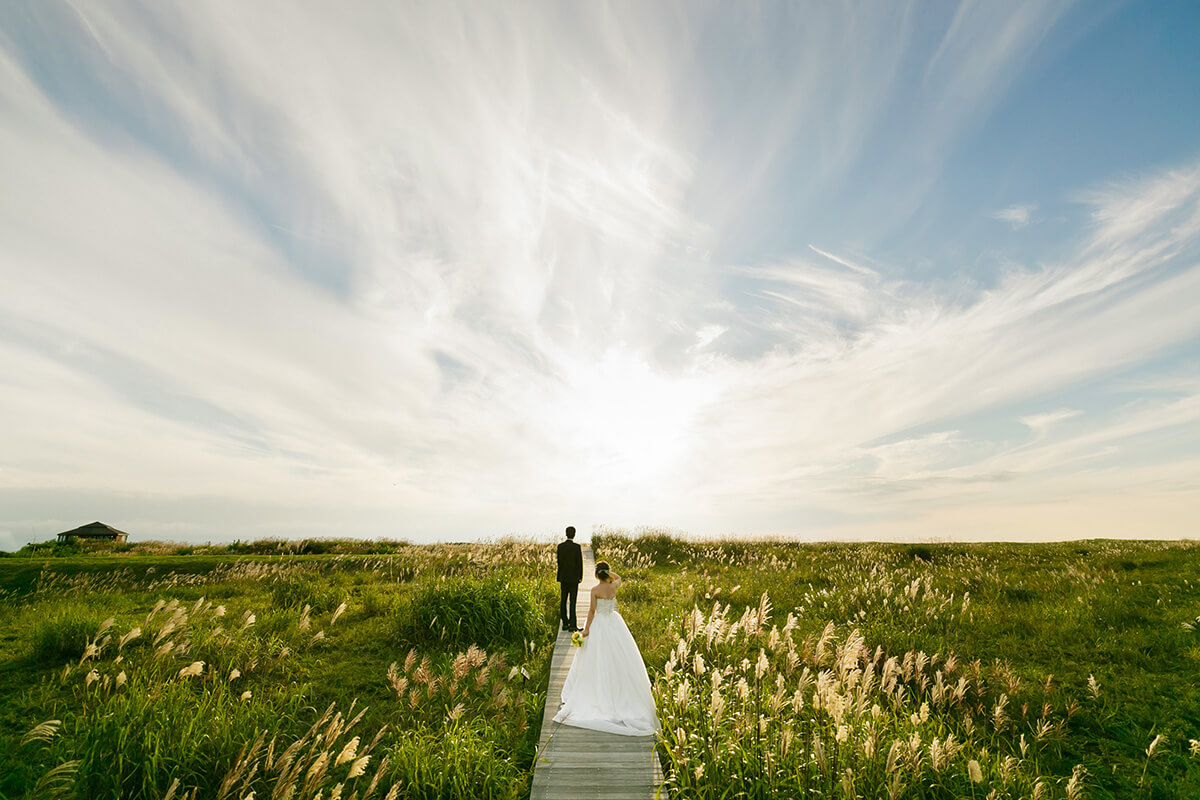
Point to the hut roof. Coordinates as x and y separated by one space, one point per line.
98 529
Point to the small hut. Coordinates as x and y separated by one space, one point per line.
93 531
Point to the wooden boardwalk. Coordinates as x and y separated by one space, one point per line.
579 764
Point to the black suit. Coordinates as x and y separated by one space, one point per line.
570 573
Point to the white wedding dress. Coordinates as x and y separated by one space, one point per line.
607 688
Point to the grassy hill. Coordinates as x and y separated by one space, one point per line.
780 669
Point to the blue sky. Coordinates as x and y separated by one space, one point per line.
447 271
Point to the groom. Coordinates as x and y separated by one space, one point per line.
570 573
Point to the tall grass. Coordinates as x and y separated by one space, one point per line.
754 705
460 761
241 684
919 671
63 634
461 611
780 669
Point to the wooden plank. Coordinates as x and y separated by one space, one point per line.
596 768
631 782
607 775
587 759
567 738
600 792
580 764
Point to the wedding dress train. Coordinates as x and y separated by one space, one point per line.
607 688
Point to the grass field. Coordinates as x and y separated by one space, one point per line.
921 671
359 669
284 670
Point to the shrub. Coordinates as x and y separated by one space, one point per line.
63 636
315 547
301 590
308 547
919 552
489 612
658 546
1020 594
376 601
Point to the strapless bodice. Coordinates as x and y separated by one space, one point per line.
606 605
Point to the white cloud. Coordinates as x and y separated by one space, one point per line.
823 96
445 271
1040 423
483 261
919 360
1017 215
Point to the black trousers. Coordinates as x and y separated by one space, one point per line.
566 605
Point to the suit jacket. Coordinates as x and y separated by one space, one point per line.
570 562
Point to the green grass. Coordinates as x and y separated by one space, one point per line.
1030 623
287 649
472 610
411 658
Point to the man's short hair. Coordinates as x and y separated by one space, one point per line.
570 531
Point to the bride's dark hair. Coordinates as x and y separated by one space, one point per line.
602 570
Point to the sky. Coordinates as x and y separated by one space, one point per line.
445 271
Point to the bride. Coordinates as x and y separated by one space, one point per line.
607 688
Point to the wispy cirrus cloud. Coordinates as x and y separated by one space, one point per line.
844 90
845 397
1017 216
1041 423
236 221
442 271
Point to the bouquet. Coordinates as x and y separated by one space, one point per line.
577 638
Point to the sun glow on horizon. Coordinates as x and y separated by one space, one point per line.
628 424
